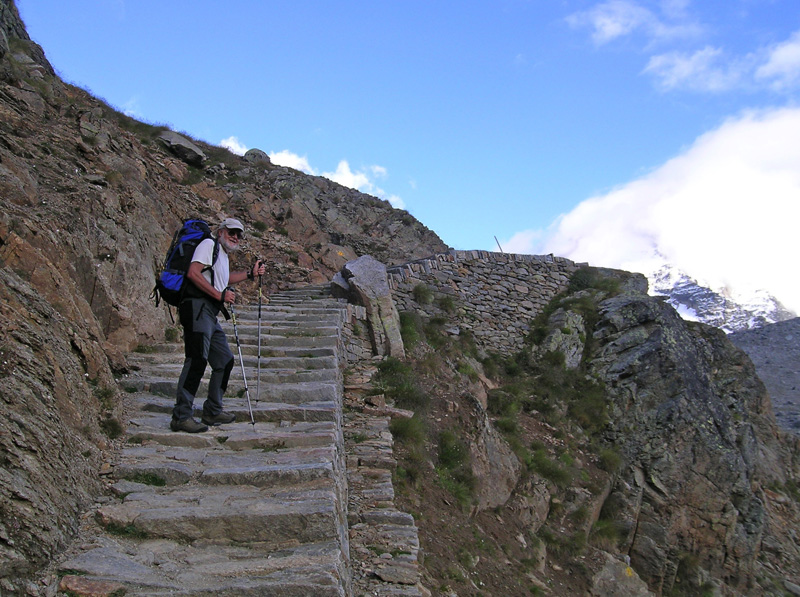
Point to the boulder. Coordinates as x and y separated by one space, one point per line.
255 156
183 148
369 287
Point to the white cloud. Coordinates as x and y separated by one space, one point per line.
704 70
292 160
345 176
726 211
611 20
364 182
782 66
361 180
132 108
619 18
233 144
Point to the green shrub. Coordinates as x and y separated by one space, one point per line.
422 293
549 469
410 328
454 470
111 427
609 460
398 381
408 431
447 304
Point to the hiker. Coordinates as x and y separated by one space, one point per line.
203 338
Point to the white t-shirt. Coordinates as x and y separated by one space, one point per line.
204 253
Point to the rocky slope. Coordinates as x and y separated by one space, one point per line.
645 440
89 200
775 352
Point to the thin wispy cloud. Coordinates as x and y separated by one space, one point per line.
707 70
692 64
619 18
725 211
782 66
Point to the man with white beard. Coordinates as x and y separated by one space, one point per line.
207 292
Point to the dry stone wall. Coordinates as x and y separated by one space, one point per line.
495 295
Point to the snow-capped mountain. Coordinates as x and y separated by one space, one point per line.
723 308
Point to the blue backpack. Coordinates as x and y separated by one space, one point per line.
171 284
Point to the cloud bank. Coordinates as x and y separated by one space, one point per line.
726 211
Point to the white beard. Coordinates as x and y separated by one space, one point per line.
226 244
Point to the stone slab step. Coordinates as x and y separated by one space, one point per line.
268 375
144 361
315 411
217 465
230 514
289 393
153 427
279 341
164 568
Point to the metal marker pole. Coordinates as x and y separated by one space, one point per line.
241 362
258 360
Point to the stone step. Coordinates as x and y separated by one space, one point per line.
314 411
159 568
286 393
144 361
153 427
266 515
273 341
244 508
273 375
218 465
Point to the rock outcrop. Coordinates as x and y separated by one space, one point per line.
699 443
363 281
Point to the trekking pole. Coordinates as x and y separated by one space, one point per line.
241 362
258 359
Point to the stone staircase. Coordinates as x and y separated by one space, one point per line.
249 508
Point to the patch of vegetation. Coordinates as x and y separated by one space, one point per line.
410 328
105 396
454 470
111 427
397 379
408 431
145 349
172 334
609 460
423 294
447 304
147 478
128 530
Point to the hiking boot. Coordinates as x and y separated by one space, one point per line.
188 425
219 419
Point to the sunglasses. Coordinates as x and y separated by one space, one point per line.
235 233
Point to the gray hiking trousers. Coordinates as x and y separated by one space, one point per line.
204 343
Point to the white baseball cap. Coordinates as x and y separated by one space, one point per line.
231 224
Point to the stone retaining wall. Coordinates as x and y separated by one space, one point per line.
357 346
492 295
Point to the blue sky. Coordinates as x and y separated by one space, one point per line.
619 132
